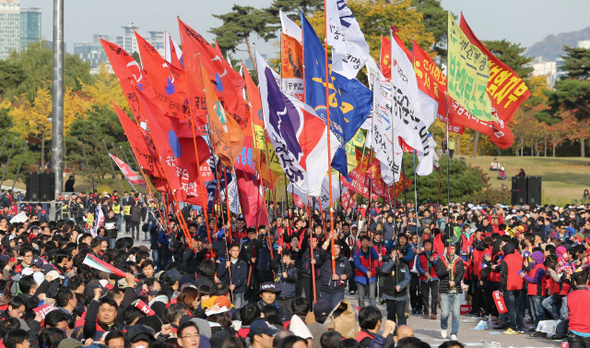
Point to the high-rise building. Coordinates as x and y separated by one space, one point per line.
92 52
156 39
30 25
9 27
128 42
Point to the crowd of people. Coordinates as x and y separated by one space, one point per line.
223 284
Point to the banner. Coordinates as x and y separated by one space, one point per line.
433 82
130 175
468 74
408 114
252 198
350 50
292 67
383 140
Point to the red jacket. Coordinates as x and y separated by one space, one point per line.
578 305
478 259
428 266
536 289
513 280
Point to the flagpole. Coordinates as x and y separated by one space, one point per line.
415 176
329 127
391 33
447 130
272 192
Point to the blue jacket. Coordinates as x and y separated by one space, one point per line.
287 285
239 274
359 266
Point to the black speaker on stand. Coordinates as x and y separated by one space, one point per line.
533 186
47 186
33 190
519 189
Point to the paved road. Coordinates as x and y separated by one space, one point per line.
429 331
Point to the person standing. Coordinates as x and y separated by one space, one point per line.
450 270
575 308
135 220
306 273
426 265
451 147
333 283
396 280
366 260
512 284
110 224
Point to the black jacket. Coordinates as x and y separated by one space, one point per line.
445 276
239 274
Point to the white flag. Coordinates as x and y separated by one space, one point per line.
407 107
350 49
427 156
383 138
324 197
289 27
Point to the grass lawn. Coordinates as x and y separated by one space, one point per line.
563 178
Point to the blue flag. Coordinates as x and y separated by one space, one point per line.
350 101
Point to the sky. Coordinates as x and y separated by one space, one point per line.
519 21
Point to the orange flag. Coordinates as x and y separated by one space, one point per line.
227 137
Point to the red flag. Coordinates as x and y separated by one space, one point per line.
228 82
129 173
167 80
129 74
176 153
252 199
143 153
433 82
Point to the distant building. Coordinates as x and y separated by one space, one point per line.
92 52
128 41
9 27
156 39
30 26
552 69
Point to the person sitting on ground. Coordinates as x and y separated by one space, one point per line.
495 165
502 174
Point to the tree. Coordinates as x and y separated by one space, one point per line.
375 19
571 93
291 8
511 54
239 25
435 20
36 62
11 75
464 180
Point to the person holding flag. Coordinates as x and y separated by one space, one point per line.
333 283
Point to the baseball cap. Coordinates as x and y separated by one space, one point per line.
37 262
261 326
139 332
322 308
269 286
173 275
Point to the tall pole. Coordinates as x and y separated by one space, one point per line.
7 162
20 164
87 166
57 116
2 150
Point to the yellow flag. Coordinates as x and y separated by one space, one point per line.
357 141
468 74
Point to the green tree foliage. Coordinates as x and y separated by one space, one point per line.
511 54
100 123
291 8
239 25
435 21
464 181
35 68
571 94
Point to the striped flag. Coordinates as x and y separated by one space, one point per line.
98 219
96 263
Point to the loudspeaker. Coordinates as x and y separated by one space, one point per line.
47 184
519 190
33 190
533 186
